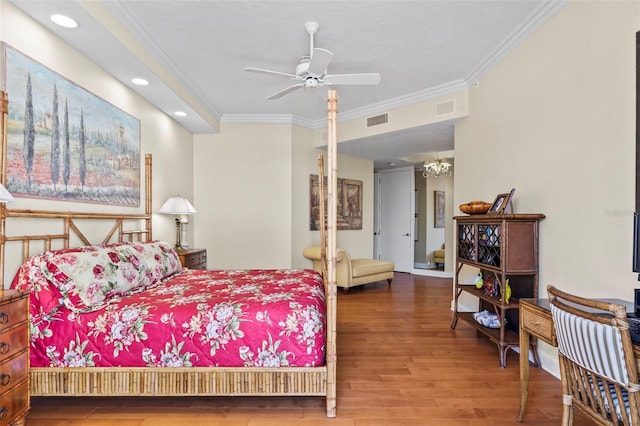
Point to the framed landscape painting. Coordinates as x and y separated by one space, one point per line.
65 143
349 208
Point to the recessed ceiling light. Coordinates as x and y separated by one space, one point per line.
180 113
139 81
64 21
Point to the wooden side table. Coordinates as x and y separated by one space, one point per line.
14 357
193 258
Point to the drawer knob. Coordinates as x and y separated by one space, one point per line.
5 379
4 348
4 318
4 413
534 322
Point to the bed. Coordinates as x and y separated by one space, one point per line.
211 337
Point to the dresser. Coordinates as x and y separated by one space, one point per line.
193 258
14 357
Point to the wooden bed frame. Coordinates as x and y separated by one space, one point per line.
190 381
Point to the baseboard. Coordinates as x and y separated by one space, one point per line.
432 273
548 355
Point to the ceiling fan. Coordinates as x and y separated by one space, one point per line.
311 71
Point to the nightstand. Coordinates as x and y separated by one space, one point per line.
14 357
193 258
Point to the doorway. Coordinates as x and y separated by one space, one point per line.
394 209
404 220
432 195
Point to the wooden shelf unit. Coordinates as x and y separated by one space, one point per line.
504 247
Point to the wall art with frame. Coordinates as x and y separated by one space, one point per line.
438 209
65 143
349 208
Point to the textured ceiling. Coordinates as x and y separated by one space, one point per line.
194 52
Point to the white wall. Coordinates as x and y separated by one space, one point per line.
555 119
169 143
243 195
305 163
252 195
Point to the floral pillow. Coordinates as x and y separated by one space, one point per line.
160 258
31 277
85 278
88 279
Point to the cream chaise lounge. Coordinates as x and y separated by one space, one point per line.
352 272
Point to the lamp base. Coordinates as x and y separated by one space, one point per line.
181 234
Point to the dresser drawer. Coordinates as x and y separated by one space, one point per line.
13 371
13 313
194 259
13 341
14 403
537 324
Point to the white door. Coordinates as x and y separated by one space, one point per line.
396 223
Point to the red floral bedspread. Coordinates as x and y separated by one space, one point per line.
265 318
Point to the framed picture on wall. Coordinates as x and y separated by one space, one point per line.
349 206
438 209
65 143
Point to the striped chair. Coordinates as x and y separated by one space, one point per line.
597 366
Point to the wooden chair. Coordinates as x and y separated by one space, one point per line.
597 365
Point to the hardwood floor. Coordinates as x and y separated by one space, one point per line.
399 363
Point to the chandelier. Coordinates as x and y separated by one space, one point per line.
437 168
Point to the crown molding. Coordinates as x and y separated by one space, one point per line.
372 109
531 23
267 119
406 100
123 12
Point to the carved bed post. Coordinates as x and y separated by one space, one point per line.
4 111
332 180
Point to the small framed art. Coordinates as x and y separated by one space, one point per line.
501 203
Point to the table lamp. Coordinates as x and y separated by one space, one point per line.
181 207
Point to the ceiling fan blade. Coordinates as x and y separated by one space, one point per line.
261 71
352 79
285 91
319 61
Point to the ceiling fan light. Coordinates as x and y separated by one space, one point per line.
311 70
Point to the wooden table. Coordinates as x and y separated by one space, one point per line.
536 321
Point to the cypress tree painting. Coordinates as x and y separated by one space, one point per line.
28 131
85 150
66 157
55 140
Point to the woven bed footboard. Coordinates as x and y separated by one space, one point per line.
194 381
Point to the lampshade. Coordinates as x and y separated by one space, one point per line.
177 205
5 196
